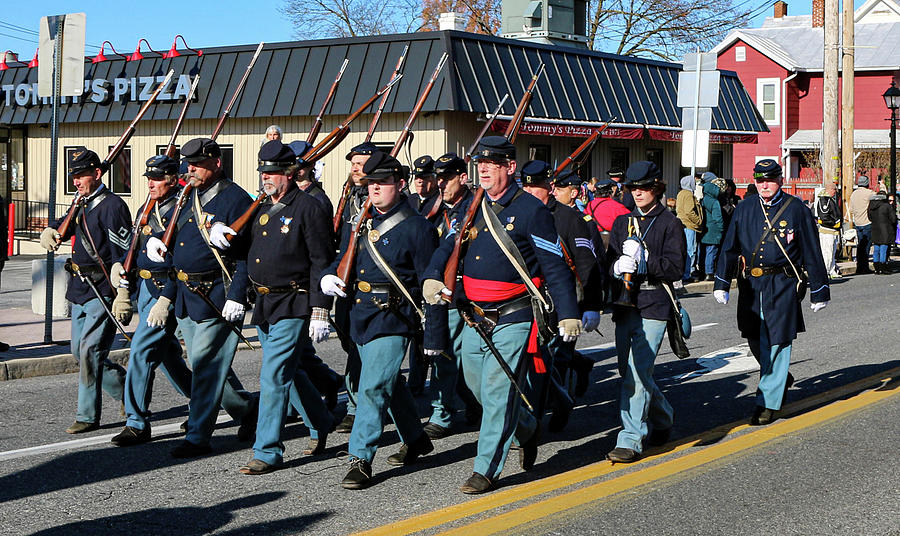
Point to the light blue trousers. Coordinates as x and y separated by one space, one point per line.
279 375
641 404
774 361
501 417
445 374
92 335
690 237
381 387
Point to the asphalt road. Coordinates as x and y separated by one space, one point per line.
836 477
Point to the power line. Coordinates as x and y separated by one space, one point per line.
18 28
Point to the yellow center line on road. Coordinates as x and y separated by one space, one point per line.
589 494
528 490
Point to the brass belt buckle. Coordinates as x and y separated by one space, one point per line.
182 276
145 274
756 272
364 286
262 291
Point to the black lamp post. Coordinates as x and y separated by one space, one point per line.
892 101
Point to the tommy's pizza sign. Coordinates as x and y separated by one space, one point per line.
102 91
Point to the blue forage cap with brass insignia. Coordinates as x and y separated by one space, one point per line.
450 164
300 148
275 156
643 173
424 165
381 166
159 166
200 149
535 172
82 159
767 169
567 178
365 148
495 147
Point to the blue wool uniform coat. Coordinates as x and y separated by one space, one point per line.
191 254
422 206
288 250
775 294
156 223
319 195
109 224
575 234
665 243
406 248
530 225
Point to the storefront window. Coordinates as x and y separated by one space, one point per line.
70 186
227 160
618 158
120 173
655 156
539 152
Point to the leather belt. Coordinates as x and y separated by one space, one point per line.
89 270
510 307
207 276
374 288
759 271
154 274
262 290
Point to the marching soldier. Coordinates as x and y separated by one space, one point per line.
384 315
154 342
646 251
425 196
210 293
305 176
772 239
101 228
445 380
578 252
286 258
358 156
512 220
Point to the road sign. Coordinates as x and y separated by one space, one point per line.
704 118
695 155
71 48
698 93
708 90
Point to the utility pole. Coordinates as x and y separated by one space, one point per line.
830 155
848 164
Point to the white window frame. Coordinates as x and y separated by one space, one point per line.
760 84
740 53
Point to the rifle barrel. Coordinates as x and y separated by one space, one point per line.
129 132
237 92
484 130
404 134
317 124
519 116
170 147
384 99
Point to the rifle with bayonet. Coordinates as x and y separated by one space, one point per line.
169 235
317 124
144 216
484 130
512 130
380 110
404 134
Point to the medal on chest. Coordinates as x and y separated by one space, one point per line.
285 224
264 219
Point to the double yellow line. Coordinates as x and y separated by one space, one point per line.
882 386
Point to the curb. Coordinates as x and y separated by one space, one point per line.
30 367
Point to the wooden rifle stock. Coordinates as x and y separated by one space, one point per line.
338 216
70 215
317 124
487 125
384 99
345 267
452 267
244 218
404 134
170 147
169 235
519 116
129 132
237 92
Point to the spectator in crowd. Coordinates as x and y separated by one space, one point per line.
604 209
729 200
884 230
714 229
273 133
690 212
859 216
4 245
751 190
828 219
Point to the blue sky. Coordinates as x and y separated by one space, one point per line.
203 23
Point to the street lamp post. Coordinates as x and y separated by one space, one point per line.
892 101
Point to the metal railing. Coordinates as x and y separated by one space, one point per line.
31 216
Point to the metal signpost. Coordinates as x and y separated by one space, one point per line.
698 94
62 42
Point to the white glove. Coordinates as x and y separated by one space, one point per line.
332 285
633 249
233 311
117 276
49 239
156 250
590 320
159 313
319 330
721 296
431 353
432 290
818 306
217 235
569 329
625 265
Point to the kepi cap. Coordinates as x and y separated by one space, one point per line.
82 159
642 173
450 163
767 169
381 166
495 147
535 172
200 149
159 166
366 148
424 165
275 156
568 178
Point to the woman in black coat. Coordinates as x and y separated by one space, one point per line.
884 230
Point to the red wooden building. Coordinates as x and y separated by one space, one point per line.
780 65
